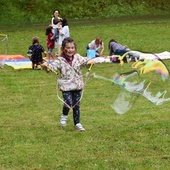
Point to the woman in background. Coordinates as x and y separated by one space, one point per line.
64 32
116 48
55 23
96 45
55 19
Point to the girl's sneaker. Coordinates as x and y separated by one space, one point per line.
79 127
63 120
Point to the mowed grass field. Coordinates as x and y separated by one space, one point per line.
30 135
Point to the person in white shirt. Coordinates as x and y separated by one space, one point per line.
55 23
64 32
96 45
55 20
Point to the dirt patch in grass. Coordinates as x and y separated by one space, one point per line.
123 19
86 22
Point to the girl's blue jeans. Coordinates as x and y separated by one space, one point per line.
72 99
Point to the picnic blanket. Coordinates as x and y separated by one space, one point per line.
22 62
140 55
19 61
136 54
16 61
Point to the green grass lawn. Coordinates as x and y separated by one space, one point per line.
31 137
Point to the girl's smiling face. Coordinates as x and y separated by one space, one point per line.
69 49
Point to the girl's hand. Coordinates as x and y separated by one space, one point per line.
44 64
45 67
90 62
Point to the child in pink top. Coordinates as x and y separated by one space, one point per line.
50 41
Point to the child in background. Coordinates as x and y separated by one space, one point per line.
35 53
50 41
70 83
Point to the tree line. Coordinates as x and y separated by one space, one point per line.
35 11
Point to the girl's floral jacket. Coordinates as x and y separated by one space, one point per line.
70 75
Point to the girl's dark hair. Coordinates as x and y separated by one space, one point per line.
48 30
67 40
112 40
54 12
35 40
64 22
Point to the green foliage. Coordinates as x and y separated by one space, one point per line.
30 135
38 11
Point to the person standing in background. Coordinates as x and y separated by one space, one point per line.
55 23
64 32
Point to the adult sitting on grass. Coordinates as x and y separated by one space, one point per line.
116 48
96 45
